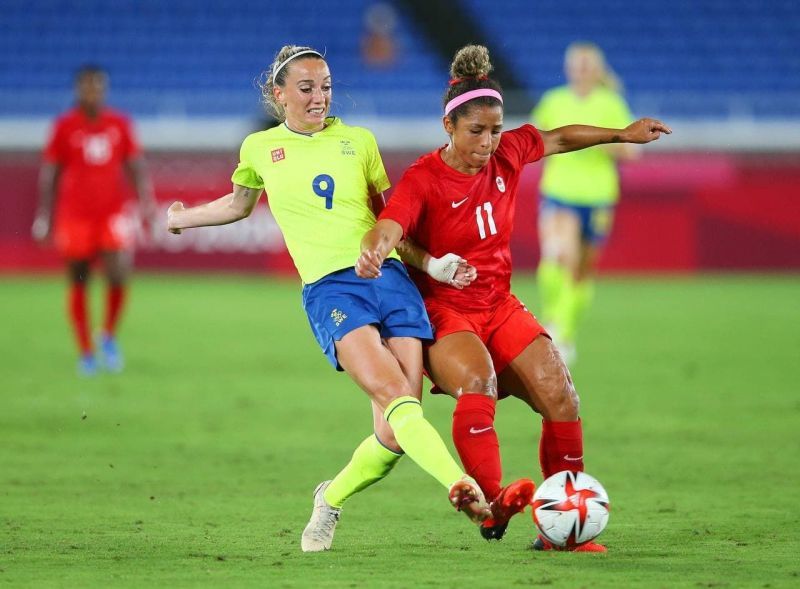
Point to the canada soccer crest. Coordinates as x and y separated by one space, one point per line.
501 186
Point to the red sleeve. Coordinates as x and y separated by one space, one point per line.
56 147
406 203
524 144
130 146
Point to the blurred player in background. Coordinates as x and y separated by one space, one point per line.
83 208
323 179
461 197
579 191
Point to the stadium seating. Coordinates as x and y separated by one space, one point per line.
716 58
197 58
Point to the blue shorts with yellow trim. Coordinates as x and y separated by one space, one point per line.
341 302
595 221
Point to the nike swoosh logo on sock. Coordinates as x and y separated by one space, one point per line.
472 430
571 459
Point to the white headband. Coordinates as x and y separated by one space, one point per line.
279 67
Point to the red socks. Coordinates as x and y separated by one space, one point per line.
79 313
79 316
561 446
476 441
115 298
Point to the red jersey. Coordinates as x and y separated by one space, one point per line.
91 153
444 210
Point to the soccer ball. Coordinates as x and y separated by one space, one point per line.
570 508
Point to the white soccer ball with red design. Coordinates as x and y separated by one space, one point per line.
570 508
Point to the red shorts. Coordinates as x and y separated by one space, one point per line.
506 329
80 238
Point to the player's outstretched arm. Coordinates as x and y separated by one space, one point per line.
227 209
575 137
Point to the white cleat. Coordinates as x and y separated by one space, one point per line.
465 495
318 535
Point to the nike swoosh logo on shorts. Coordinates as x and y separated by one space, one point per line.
455 204
472 430
571 459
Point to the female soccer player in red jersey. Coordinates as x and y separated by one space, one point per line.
90 149
461 198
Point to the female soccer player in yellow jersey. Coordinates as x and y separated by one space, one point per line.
579 191
322 178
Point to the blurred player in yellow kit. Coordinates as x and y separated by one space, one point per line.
579 191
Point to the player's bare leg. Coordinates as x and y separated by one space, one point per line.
560 244
380 371
379 368
539 377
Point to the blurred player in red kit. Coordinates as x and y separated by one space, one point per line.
83 208
461 197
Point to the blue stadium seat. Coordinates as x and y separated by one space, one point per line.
193 53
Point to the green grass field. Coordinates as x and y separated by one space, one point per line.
195 467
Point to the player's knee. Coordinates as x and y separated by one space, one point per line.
386 391
584 271
79 272
551 250
117 276
481 383
117 279
559 399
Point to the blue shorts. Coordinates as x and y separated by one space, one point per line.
595 222
341 302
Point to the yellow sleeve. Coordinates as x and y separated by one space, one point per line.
245 174
377 180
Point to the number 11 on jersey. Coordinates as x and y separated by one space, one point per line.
487 206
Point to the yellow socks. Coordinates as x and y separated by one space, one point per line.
371 462
550 279
420 441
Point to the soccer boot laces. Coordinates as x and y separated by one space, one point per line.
318 534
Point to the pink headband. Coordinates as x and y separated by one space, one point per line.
467 96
